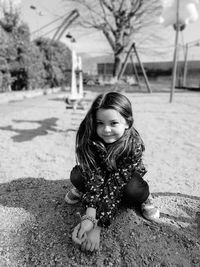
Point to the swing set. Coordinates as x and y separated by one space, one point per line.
186 71
132 50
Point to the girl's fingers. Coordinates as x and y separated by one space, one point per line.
81 234
96 247
83 246
92 247
84 237
78 236
75 233
88 245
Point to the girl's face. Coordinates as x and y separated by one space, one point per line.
110 125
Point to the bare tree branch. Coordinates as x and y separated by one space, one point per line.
120 21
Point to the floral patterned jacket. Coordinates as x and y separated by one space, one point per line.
104 187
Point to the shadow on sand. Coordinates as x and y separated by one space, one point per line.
43 236
23 135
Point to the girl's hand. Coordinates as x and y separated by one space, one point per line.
85 226
75 237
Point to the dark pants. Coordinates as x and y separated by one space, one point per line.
136 191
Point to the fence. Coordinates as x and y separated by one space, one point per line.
188 73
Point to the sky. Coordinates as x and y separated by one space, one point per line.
54 11
50 10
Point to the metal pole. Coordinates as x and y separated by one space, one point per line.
175 54
185 66
143 70
135 71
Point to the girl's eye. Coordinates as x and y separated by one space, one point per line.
114 123
99 123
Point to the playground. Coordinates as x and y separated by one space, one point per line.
37 138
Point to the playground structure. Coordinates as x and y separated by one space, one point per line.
65 24
130 52
76 90
76 94
178 14
188 81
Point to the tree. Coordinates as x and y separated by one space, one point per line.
36 71
56 61
27 64
122 22
14 46
9 21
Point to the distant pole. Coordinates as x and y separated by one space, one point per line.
177 28
185 66
80 75
74 90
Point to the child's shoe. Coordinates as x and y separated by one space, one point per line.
73 196
149 211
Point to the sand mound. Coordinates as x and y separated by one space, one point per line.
36 228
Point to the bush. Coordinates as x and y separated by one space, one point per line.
29 65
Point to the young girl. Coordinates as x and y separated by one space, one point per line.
110 168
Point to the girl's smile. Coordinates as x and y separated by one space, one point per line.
110 125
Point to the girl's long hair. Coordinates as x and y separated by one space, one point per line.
86 135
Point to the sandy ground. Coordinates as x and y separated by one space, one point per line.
37 153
